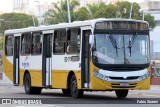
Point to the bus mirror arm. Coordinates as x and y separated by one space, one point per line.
91 40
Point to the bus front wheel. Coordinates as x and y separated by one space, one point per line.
28 88
75 92
121 93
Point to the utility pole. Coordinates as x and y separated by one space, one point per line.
130 16
143 14
142 10
33 20
38 11
69 15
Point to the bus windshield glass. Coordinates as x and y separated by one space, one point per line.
121 49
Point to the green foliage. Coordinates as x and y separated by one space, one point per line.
123 9
82 14
1 42
150 20
15 21
111 11
60 14
97 10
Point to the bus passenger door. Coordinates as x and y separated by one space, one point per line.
47 59
85 57
16 60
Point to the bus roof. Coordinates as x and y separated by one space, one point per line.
67 25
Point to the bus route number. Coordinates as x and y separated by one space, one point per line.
67 59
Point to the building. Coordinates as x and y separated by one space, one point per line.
85 2
21 6
151 47
114 1
152 7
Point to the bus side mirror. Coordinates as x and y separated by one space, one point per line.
91 40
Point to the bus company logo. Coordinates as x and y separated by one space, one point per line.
6 101
25 64
26 58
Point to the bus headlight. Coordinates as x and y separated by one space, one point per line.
144 76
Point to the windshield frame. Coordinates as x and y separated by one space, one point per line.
123 66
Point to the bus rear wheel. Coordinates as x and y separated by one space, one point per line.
121 93
28 88
75 92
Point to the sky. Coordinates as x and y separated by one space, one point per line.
6 6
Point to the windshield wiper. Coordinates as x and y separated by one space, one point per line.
114 43
130 46
126 61
131 42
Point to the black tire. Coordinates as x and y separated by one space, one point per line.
75 92
121 93
28 88
66 91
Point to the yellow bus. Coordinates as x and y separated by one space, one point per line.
93 55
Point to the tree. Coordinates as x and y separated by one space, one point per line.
150 20
1 42
15 21
123 9
117 10
82 14
59 12
91 11
96 10
111 11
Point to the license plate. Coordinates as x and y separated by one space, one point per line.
124 84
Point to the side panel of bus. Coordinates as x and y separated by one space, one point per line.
31 58
8 56
64 63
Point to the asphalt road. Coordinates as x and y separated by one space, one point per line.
55 98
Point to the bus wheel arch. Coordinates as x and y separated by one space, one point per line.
67 90
26 72
75 92
27 83
69 78
29 89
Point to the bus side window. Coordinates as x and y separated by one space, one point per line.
59 41
73 41
9 45
26 42
36 48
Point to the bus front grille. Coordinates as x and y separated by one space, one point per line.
121 78
118 85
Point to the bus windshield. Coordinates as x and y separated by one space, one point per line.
121 49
